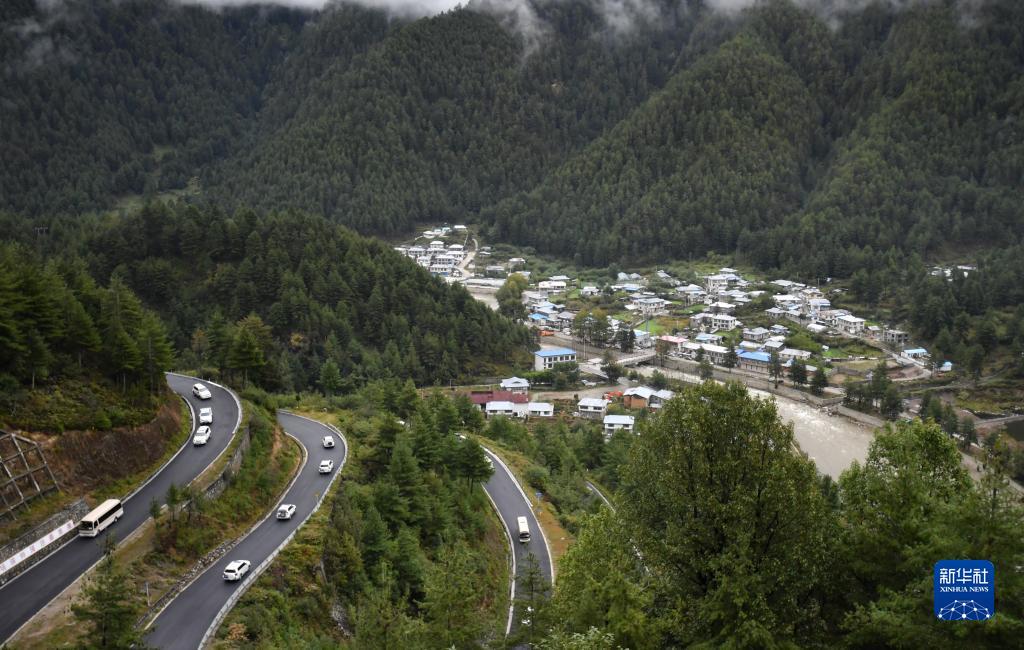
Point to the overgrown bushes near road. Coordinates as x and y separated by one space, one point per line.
564 456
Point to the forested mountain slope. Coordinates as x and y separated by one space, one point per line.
285 300
804 148
804 143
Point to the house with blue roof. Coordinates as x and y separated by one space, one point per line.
753 361
546 358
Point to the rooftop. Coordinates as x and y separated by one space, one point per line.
619 419
554 352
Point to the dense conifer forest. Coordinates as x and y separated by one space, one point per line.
285 301
807 143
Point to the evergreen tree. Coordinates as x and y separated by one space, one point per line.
798 372
730 358
330 377
106 609
819 381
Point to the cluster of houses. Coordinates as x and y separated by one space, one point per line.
511 399
545 314
436 257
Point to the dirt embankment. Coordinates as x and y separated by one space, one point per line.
86 460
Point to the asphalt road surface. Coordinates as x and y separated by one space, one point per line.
512 504
182 624
33 590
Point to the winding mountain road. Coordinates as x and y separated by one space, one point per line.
511 503
190 620
30 592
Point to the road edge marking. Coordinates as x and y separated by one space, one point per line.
547 546
255 573
512 555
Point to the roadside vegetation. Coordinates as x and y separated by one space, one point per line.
742 542
144 567
404 553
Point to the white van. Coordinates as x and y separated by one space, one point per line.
524 530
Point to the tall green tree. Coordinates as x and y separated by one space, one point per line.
728 518
106 609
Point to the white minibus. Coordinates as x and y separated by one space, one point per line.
105 514
524 530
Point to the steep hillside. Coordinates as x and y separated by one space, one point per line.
288 301
723 149
804 143
108 99
74 354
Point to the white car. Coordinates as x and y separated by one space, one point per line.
286 511
328 442
202 436
326 466
202 392
206 415
236 569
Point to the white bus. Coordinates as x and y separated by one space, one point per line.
105 514
524 530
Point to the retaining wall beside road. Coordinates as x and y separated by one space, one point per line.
234 463
72 512
863 418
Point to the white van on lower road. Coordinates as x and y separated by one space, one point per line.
524 530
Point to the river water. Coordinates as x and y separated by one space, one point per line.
832 442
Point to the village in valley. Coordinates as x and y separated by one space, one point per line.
601 337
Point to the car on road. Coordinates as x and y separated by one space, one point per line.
489 461
326 466
202 436
206 415
236 569
328 442
202 392
286 511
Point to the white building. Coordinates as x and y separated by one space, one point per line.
850 324
785 354
515 385
592 407
540 410
613 423
547 358
508 409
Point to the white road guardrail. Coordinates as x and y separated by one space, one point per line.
255 573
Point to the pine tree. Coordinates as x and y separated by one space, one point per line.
106 608
730 358
245 354
798 372
154 349
330 377
453 595
819 381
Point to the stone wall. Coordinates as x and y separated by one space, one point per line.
73 511
234 463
